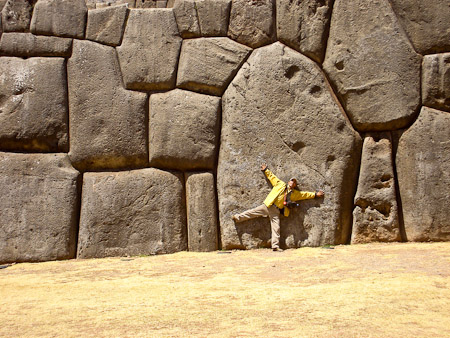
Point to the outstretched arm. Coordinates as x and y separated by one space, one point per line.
271 177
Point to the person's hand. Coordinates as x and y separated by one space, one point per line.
320 193
263 166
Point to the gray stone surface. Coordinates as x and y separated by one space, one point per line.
107 25
303 25
213 16
373 66
139 212
29 45
33 104
423 168
150 49
375 216
38 207
16 15
209 64
66 18
107 122
280 109
436 81
151 3
201 212
427 23
252 23
187 18
183 130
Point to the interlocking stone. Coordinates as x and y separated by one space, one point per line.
423 167
16 15
209 64
373 65
201 212
375 217
107 122
33 104
107 25
29 45
184 130
436 81
213 16
38 207
150 49
187 18
151 3
139 212
279 109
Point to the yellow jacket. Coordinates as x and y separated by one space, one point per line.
276 196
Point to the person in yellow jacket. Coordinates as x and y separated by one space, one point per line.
281 197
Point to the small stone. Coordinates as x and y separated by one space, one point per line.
213 16
16 15
107 25
187 18
436 81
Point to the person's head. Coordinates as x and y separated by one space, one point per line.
292 183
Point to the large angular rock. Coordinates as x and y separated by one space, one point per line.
29 45
436 81
66 18
209 64
213 16
107 25
303 25
373 65
16 15
183 130
187 18
138 212
201 212
280 109
375 216
38 207
252 22
423 167
426 23
33 104
149 51
107 122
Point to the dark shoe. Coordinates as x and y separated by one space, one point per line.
277 249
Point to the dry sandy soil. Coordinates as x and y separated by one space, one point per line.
376 290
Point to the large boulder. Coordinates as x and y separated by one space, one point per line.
139 212
66 18
201 210
209 64
436 81
33 104
149 51
107 122
375 216
183 130
252 23
106 25
373 65
213 16
427 23
38 207
303 25
423 167
16 15
29 45
280 109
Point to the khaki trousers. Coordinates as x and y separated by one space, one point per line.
262 211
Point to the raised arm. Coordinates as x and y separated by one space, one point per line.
271 177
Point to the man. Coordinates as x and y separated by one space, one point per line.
278 201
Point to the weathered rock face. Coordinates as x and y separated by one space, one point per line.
184 130
373 66
426 23
138 212
213 16
149 51
201 212
38 207
279 109
107 122
303 25
151 3
252 22
29 45
33 104
375 217
187 19
423 167
106 25
209 64
16 15
66 18
436 81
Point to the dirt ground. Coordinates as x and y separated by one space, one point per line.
376 290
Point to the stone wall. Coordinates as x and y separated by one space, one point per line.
137 127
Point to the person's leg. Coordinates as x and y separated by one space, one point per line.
274 216
259 211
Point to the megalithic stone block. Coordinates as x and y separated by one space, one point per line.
106 25
436 81
30 45
16 15
213 16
